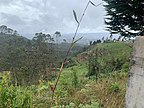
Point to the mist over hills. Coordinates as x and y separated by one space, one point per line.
87 37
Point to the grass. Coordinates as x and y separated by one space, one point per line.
118 50
109 91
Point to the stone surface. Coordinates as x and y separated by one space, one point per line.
135 88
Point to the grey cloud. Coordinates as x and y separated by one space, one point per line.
52 15
5 2
11 19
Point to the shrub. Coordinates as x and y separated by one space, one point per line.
12 96
75 80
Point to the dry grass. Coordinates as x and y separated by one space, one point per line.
106 95
109 92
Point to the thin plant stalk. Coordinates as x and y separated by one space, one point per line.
63 63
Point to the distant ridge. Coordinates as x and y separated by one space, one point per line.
87 37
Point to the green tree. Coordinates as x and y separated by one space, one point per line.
57 34
5 30
38 57
125 17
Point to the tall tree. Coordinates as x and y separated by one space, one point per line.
125 17
57 34
5 30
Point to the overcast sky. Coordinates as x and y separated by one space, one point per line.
31 16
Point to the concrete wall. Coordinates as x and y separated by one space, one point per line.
135 88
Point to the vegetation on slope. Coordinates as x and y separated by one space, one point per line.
30 60
75 89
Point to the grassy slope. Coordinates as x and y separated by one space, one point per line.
109 90
118 50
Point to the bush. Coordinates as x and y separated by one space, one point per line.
75 80
12 96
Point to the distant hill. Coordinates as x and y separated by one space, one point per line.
87 37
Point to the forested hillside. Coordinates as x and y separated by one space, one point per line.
9 42
29 60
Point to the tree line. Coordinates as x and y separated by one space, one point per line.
31 60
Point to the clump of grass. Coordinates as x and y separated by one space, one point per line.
110 92
72 105
115 87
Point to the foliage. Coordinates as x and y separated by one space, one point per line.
31 60
74 90
108 57
75 80
125 17
92 105
12 96
108 92
115 87
72 105
5 30
70 63
9 44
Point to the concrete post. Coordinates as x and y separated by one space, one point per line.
135 88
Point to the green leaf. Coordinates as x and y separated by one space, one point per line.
76 41
75 16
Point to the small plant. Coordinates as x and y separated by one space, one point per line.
115 87
75 80
92 105
125 67
72 105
